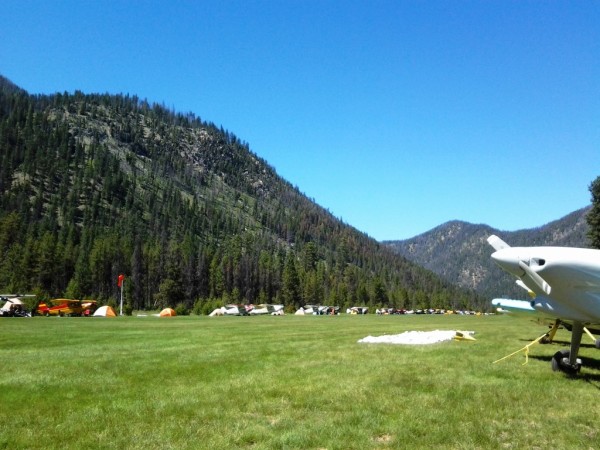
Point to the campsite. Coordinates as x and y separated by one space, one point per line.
288 382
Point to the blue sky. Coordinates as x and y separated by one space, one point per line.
396 116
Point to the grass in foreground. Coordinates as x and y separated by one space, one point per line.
287 382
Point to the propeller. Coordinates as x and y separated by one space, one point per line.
497 243
535 277
507 260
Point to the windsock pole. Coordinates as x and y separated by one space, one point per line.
120 282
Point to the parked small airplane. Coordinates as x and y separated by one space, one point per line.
14 306
564 283
67 307
318 310
234 310
258 310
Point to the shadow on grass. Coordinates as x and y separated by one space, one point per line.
586 363
563 343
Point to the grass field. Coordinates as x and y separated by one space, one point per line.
288 383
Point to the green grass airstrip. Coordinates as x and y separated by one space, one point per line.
288 383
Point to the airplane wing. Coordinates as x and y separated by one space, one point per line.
62 301
513 306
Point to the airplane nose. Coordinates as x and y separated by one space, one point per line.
508 260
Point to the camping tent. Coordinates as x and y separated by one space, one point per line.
167 312
105 311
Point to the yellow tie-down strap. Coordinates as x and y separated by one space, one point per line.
525 349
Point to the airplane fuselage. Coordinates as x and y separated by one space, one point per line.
571 275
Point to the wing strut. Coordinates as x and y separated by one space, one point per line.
541 283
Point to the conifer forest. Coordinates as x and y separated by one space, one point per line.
97 185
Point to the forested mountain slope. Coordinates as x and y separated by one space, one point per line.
92 186
459 252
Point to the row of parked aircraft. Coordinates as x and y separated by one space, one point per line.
277 310
248 310
15 307
402 311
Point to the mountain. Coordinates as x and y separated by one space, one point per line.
97 185
459 252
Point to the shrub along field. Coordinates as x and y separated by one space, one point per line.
288 382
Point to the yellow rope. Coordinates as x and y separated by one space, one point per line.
526 349
589 334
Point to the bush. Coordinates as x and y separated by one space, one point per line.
182 310
197 309
204 306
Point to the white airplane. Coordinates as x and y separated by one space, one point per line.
235 310
317 310
274 310
564 283
357 310
14 306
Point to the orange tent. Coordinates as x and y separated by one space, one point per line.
167 312
105 311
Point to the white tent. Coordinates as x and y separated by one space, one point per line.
105 311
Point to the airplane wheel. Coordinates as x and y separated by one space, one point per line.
597 343
545 340
557 359
46 313
558 365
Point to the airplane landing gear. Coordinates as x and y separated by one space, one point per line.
561 362
567 360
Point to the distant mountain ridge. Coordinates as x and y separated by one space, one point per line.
459 252
97 185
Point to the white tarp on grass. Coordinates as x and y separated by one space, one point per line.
414 337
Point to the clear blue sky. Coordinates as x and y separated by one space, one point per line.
397 116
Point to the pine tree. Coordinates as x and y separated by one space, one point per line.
593 217
291 283
137 274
